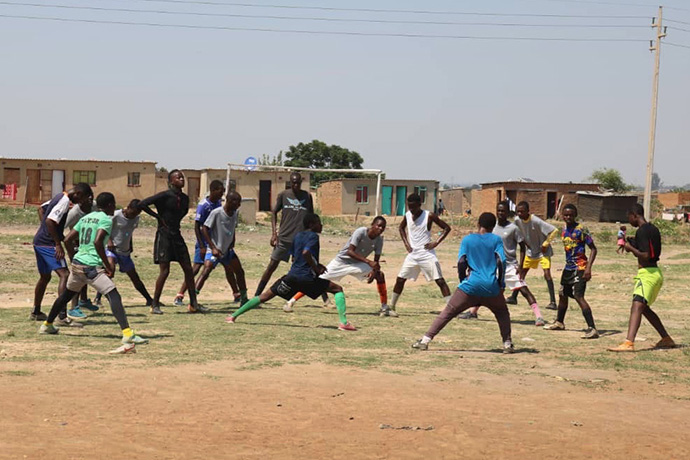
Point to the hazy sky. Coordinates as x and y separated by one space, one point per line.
449 109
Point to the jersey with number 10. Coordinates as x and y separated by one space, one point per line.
88 227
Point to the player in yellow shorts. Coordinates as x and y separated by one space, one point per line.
646 246
543 262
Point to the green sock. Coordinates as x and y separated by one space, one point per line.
340 306
251 303
243 296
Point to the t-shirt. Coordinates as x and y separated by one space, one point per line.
170 206
574 241
204 209
512 237
480 251
222 228
56 210
294 208
364 245
122 232
621 234
535 232
648 239
88 227
73 216
306 240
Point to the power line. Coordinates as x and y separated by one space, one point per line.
677 44
679 28
321 19
318 32
678 22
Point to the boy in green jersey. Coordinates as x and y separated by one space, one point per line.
90 266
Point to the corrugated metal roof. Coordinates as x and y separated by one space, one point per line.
79 160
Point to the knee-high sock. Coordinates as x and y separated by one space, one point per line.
297 296
117 308
340 306
394 300
59 305
383 292
587 313
251 303
535 309
552 291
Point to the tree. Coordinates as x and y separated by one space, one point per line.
610 179
317 154
276 160
656 181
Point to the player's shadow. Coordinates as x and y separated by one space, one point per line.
491 350
647 350
302 326
159 335
107 314
608 332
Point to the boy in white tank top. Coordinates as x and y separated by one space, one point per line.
415 231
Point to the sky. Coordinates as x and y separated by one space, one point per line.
456 110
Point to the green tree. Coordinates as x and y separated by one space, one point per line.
317 154
610 179
656 181
276 160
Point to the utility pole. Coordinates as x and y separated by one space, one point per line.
660 33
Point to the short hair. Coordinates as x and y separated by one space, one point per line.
503 203
487 220
636 209
379 218
216 185
105 199
83 188
310 219
134 204
523 204
174 171
233 193
296 175
414 198
570 206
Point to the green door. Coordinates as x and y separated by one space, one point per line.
386 200
400 201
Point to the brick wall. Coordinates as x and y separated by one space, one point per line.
330 198
671 200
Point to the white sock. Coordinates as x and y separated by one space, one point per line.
394 300
426 340
446 299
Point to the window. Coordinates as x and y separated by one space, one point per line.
133 179
232 185
362 194
84 176
421 191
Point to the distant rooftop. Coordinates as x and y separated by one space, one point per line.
77 160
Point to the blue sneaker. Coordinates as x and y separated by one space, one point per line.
179 301
88 305
76 313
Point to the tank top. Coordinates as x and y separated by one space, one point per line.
418 233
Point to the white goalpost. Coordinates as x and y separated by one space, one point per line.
243 167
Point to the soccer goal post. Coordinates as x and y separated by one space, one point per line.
242 167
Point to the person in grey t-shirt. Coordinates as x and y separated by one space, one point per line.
219 232
293 205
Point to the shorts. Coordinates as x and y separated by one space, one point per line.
225 260
125 263
648 283
544 262
338 269
197 254
512 278
429 266
573 283
46 261
95 277
282 251
287 287
170 247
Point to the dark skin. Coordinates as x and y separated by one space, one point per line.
377 228
101 236
640 309
570 219
416 210
524 214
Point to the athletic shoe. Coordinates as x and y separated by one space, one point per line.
419 345
198 309
149 303
555 326
540 322
237 299
625 347
76 313
124 349
156 311
467 315
230 319
392 313
179 301
88 305
386 311
287 308
40 316
67 322
47 329
552 306
665 343
135 340
508 349
511 301
346 327
99 301
591 333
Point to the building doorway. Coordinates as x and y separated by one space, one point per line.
551 204
58 182
401 201
33 186
264 195
386 200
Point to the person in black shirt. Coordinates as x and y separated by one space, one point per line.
172 205
646 246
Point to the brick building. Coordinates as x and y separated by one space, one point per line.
456 200
674 200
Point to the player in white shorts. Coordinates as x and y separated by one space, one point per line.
352 261
415 231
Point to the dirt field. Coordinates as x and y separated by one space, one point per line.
291 386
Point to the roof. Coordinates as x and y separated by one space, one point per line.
606 194
353 179
533 184
93 160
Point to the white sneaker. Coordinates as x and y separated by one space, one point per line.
287 308
124 349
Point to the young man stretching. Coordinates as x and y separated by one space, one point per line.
577 271
481 253
219 231
352 260
303 275
50 255
415 231
646 246
172 205
82 300
512 238
91 266
538 236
